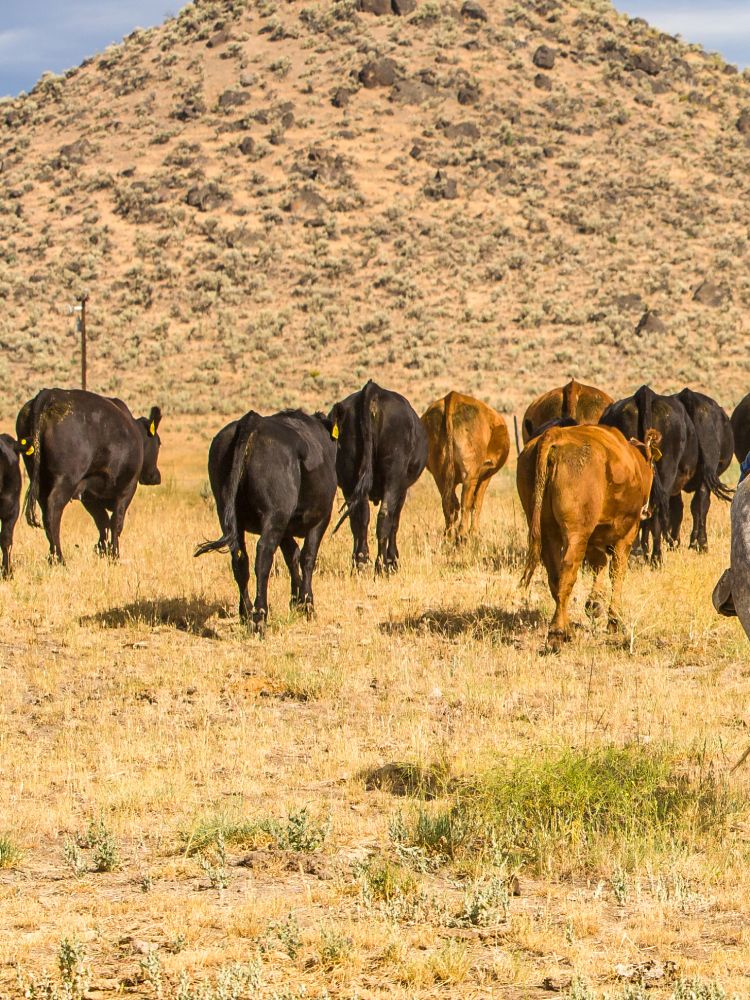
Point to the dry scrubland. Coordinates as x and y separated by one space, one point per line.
224 784
245 211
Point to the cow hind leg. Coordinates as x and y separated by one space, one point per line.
309 558
451 507
241 572
270 539
618 566
574 549
478 502
117 520
6 543
699 509
468 500
359 519
595 603
101 519
53 506
390 506
656 532
290 551
676 510
393 553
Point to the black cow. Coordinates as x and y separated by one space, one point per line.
679 447
382 452
741 428
10 496
715 445
689 461
274 477
79 445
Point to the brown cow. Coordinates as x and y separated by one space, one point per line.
468 444
575 401
584 491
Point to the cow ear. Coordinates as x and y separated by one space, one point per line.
154 419
327 422
334 422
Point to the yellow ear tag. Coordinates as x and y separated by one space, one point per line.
30 451
23 442
655 454
335 432
152 428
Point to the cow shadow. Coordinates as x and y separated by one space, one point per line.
484 622
185 614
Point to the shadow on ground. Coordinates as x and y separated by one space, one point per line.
481 622
186 614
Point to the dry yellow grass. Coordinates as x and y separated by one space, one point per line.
129 696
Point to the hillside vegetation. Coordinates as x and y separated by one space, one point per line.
270 202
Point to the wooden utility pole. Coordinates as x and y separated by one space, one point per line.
81 309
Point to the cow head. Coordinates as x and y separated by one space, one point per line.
650 447
150 475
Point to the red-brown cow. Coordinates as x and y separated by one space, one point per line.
574 401
584 491
468 444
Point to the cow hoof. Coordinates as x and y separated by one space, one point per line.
699 546
614 625
594 608
309 610
259 623
557 639
360 564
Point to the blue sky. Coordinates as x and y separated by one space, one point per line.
720 26
39 35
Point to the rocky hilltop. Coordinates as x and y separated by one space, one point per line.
268 202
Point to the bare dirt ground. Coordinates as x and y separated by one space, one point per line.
224 783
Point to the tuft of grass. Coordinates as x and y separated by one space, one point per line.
574 810
298 832
334 948
10 852
382 880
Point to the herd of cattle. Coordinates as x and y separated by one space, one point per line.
597 478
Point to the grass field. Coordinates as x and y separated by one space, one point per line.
402 798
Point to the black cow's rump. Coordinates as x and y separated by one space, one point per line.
382 452
715 446
10 496
689 461
274 477
740 420
679 447
79 445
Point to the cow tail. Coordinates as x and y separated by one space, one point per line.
643 399
571 392
707 464
659 497
31 501
363 486
243 445
450 454
535 525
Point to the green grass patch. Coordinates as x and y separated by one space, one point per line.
10 852
572 811
298 832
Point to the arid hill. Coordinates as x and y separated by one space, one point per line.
270 202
